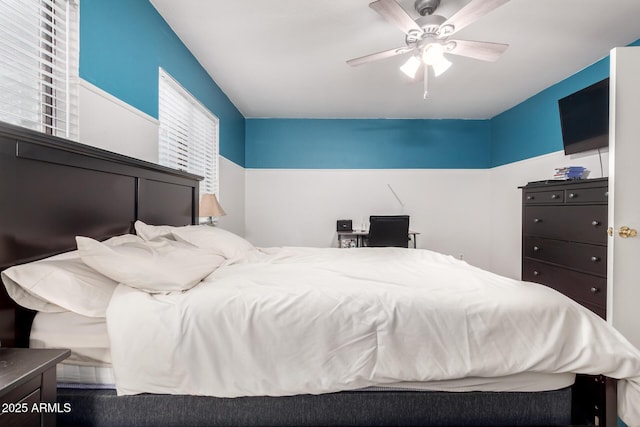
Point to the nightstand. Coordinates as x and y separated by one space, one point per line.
28 386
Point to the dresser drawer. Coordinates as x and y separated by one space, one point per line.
581 256
588 290
542 197
587 224
19 414
587 195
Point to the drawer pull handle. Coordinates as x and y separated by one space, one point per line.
536 249
594 290
536 273
595 223
554 196
572 195
595 259
530 197
537 220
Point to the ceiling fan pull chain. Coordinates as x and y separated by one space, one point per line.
426 81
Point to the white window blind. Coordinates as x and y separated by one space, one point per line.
39 65
188 133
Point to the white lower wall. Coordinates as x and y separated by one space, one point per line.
476 214
450 208
232 196
107 122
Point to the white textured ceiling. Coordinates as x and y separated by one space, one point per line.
286 58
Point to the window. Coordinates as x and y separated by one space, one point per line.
188 134
39 72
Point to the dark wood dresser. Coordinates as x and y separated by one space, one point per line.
564 246
28 386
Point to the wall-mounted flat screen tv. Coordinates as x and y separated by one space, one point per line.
584 118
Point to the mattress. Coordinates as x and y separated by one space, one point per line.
86 337
82 376
89 365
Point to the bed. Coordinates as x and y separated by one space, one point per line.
58 190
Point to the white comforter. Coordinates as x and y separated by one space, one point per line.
300 320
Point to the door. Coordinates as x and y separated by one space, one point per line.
623 286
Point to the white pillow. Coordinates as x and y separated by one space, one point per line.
217 240
153 266
62 283
150 232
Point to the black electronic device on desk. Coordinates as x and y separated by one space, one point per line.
344 225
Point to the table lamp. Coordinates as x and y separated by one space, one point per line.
210 207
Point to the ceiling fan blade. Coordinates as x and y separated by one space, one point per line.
484 51
376 56
473 11
395 14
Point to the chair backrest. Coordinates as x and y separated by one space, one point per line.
389 230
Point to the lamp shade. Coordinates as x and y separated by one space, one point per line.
411 67
209 206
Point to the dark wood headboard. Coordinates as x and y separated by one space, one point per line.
52 190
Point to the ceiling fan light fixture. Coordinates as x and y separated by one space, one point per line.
411 67
433 53
427 36
440 67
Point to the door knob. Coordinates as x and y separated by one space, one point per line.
624 232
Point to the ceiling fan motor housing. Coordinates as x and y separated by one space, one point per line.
426 7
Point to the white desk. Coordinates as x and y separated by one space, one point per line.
357 237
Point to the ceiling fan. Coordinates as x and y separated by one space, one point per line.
427 38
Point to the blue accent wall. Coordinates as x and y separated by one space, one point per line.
122 44
367 144
532 128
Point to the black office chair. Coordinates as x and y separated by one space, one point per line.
389 230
